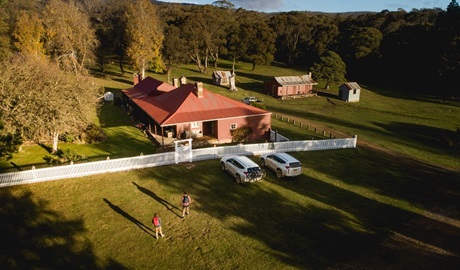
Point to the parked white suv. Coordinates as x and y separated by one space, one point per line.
281 163
242 168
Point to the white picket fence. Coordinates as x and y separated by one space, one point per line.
146 161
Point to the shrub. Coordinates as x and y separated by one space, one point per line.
93 134
259 105
241 134
62 157
67 137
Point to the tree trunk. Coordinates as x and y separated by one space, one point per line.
253 65
55 142
120 62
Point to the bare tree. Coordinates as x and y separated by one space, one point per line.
41 101
70 38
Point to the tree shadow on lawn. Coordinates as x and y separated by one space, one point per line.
35 237
304 114
433 233
136 222
164 202
309 223
393 176
421 136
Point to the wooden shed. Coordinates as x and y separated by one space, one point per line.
221 77
290 86
350 92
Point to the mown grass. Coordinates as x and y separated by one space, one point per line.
357 208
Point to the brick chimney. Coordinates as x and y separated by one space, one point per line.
199 89
137 78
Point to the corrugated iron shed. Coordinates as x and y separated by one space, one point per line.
295 80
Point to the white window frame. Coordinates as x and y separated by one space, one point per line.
233 126
194 124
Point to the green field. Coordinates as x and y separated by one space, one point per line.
391 203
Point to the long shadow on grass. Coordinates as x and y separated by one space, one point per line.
120 211
417 241
308 223
397 177
34 237
164 202
423 137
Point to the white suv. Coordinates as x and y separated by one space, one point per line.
242 168
281 163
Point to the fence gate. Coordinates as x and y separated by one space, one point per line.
183 151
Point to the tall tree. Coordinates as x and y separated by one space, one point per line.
71 40
291 30
29 33
330 69
448 29
204 30
256 39
144 36
40 101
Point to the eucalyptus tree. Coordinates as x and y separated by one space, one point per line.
70 39
324 35
144 36
292 30
254 40
204 29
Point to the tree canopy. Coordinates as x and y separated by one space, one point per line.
330 69
144 36
40 101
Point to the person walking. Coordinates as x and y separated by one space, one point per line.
186 201
156 220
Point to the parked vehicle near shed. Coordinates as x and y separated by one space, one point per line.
282 164
242 168
248 100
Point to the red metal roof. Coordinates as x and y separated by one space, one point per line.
182 105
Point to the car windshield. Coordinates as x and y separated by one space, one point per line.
294 164
253 169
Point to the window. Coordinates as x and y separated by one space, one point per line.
233 126
195 125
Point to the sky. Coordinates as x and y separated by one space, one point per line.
327 5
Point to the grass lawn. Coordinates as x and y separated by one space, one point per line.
391 203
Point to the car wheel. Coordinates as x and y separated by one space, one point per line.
279 174
222 165
238 179
262 162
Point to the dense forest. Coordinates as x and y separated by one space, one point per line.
415 51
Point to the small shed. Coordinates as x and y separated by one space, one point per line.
350 92
290 86
221 77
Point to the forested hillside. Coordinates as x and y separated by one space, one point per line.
415 51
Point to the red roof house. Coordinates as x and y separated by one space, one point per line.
191 111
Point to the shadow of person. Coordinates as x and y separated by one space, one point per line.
167 204
129 217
